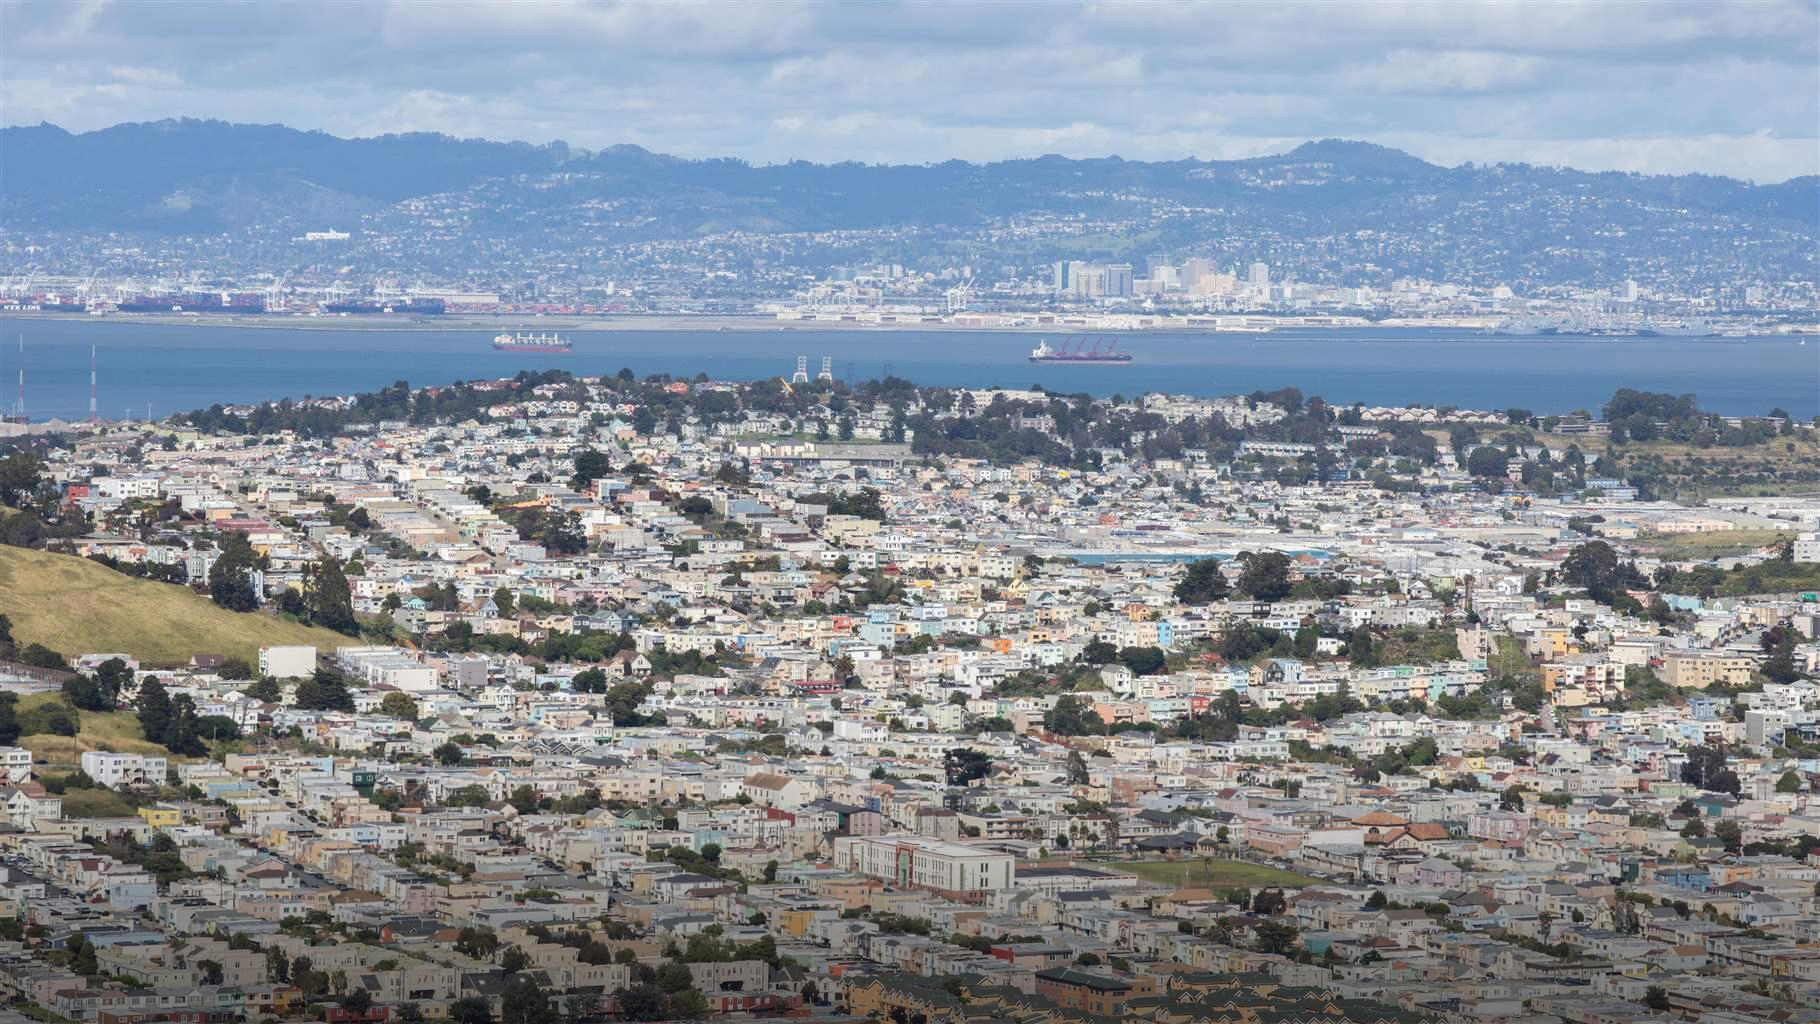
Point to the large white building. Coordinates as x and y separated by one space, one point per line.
116 770
15 765
291 661
956 870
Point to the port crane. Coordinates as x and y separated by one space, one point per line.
959 295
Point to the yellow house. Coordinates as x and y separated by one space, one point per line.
161 816
795 922
1550 643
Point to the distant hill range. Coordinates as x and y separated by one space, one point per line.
1334 209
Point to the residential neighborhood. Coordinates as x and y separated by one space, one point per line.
594 699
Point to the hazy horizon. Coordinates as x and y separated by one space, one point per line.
1663 88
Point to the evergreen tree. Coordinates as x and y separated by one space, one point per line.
231 577
1202 583
154 710
332 603
82 958
590 465
324 691
182 735
266 690
111 677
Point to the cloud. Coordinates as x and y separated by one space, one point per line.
1644 85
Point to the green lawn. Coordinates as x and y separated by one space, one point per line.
76 606
1212 874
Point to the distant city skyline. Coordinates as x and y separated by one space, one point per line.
1651 87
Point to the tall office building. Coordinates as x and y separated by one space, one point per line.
1118 279
1061 275
1259 277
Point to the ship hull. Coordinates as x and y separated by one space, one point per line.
1081 362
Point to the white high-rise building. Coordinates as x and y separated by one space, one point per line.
1259 277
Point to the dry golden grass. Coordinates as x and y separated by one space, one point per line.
116 731
76 606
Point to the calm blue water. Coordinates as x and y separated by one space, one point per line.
182 367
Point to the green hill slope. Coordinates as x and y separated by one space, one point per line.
73 605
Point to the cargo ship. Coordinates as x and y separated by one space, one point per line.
1078 356
421 307
1684 329
194 302
516 342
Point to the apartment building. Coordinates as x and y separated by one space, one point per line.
117 770
959 871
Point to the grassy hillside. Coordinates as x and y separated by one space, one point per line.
117 731
74 606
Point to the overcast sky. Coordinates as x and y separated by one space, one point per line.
1724 87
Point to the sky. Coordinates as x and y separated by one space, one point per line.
1727 88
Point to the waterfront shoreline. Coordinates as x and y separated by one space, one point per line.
189 363
604 322
736 324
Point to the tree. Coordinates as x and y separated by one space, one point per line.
1070 718
1487 461
674 977
1705 767
1266 575
9 718
474 795
590 465
563 533
265 690
1729 832
471 1010
154 709
1780 666
641 1002
1202 583
1275 937
82 957
479 943
357 1002
1268 902
21 474
1790 782
1378 900
1656 998
331 602
1143 661
399 705
1594 567
525 1002
1099 652
1077 769
523 799
231 577
324 691
963 765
